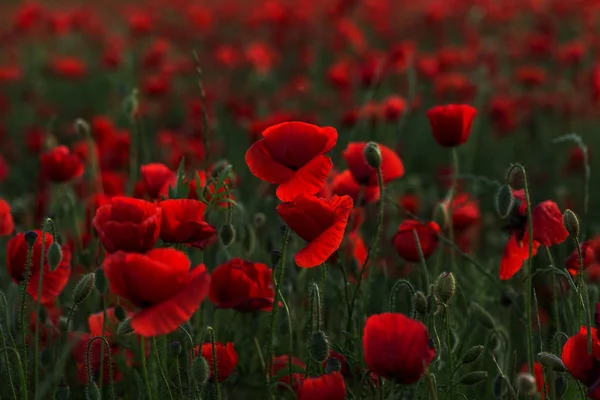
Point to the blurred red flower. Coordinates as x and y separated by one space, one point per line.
242 285
7 224
344 184
584 366
404 240
325 387
161 284
155 177
391 165
60 165
397 347
53 282
281 363
182 222
128 224
451 124
291 154
227 358
320 222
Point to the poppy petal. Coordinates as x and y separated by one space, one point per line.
548 226
263 166
307 180
513 256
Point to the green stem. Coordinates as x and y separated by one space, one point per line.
7 362
178 374
204 111
582 289
145 368
290 336
20 365
161 369
421 258
448 342
36 343
555 313
453 190
89 363
322 288
277 282
529 269
215 377
24 308
370 250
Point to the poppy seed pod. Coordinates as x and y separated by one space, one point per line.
526 384
227 234
319 346
571 223
445 287
505 201
372 155
473 378
54 256
420 303
333 365
84 288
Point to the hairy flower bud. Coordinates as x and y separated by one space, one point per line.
473 378
551 361
420 303
200 370
319 346
505 201
445 286
571 223
31 237
91 391
54 256
84 288
124 327
472 354
373 155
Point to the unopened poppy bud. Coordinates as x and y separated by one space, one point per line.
120 313
551 361
505 201
526 384
54 256
31 237
63 392
176 348
101 281
84 288
124 327
420 303
472 354
227 235
82 127
373 154
571 223
259 220
333 365
483 316
201 370
91 391
473 378
319 346
445 287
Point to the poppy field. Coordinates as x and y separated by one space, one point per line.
300 199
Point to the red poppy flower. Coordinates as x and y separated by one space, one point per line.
281 363
409 203
465 211
404 240
291 155
53 282
325 387
344 184
587 255
394 107
397 347
68 67
227 358
182 223
161 284
391 165
7 224
128 224
242 285
60 165
548 229
154 177
320 222
451 124
583 366
345 371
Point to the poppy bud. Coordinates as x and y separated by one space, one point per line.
473 378
333 365
526 384
101 281
551 361
420 303
54 256
30 238
445 287
259 220
91 391
505 201
84 288
201 370
176 348
63 392
571 223
120 312
373 155
483 316
227 235
124 327
319 346
472 354
82 127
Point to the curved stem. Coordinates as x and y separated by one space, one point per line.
145 368
448 342
582 289
374 242
7 362
36 343
394 296
20 365
161 369
89 364
24 308
215 371
529 270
